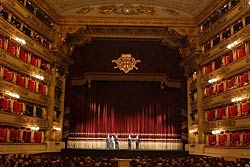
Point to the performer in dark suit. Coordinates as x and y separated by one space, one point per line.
129 142
116 142
137 142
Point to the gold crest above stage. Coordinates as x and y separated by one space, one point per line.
126 63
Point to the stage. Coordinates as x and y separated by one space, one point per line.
124 153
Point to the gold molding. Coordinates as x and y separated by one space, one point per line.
162 78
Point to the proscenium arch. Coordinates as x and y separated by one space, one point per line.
168 37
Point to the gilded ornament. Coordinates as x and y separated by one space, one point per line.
171 12
126 63
84 10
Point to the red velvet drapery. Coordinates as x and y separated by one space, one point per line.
125 107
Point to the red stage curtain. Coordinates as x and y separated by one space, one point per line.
125 107
212 140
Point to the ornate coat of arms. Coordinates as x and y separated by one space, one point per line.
126 63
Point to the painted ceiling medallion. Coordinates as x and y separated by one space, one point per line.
126 63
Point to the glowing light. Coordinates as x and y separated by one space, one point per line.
38 76
15 95
20 40
213 80
215 132
237 99
57 129
34 128
229 46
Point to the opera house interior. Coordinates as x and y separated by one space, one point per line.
125 83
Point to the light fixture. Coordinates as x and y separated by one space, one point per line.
237 99
40 77
229 46
56 129
215 132
20 40
213 80
34 128
15 95
193 131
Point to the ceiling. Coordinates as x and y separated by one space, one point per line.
128 12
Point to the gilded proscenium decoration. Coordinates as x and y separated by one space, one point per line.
84 10
127 9
126 63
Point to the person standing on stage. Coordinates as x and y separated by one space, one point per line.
112 142
137 142
116 142
129 142
108 142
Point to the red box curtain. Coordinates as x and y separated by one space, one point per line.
240 52
212 140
